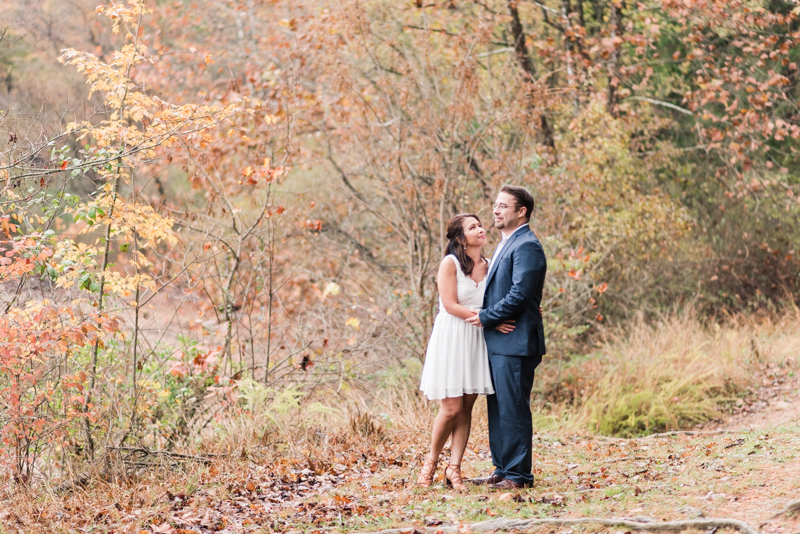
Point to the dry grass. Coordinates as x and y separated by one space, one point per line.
673 373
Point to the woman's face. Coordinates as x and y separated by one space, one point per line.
474 232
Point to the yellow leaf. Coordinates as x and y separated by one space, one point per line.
354 322
331 289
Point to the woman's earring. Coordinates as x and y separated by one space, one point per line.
465 246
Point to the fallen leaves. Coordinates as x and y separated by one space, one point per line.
357 483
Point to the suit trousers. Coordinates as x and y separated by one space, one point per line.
509 410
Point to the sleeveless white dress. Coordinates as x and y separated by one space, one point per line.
456 362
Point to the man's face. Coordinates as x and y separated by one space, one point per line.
506 212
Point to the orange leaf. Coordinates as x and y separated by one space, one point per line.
63 164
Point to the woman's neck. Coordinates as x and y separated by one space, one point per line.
474 253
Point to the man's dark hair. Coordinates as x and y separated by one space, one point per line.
523 197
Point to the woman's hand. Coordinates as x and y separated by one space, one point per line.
506 327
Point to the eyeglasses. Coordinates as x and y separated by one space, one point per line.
503 206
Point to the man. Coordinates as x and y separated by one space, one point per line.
513 294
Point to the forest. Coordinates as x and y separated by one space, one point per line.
221 223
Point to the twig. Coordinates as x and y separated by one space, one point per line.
638 526
438 30
546 8
624 458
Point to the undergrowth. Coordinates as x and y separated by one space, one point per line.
674 373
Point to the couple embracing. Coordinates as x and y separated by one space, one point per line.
487 339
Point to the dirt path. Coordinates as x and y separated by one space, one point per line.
774 404
779 411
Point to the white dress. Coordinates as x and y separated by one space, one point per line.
456 361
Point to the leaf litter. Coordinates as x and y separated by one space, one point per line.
749 476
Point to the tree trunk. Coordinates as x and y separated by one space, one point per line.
527 66
612 98
566 12
579 11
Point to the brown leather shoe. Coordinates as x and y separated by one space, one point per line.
486 481
507 484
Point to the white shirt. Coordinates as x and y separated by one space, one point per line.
503 242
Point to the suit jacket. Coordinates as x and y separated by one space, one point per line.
514 292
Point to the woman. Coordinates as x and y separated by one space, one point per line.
456 363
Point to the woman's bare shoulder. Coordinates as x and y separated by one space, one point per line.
448 264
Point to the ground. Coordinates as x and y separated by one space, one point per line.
747 468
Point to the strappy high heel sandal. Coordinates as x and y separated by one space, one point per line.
452 477
425 478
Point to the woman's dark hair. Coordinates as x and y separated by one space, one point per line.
457 240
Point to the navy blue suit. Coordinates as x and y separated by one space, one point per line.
514 292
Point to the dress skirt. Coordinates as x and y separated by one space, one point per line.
456 362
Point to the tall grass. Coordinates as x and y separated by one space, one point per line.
673 373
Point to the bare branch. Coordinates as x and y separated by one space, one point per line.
661 103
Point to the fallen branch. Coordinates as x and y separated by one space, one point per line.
791 507
639 525
690 433
674 433
172 455
81 481
135 458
